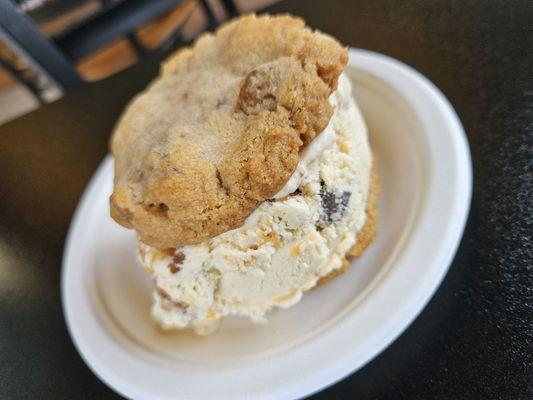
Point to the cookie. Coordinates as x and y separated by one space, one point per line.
220 130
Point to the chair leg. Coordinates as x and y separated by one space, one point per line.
137 46
211 18
231 8
20 78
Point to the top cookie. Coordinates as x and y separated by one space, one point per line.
220 130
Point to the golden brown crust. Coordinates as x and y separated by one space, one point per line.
220 130
366 235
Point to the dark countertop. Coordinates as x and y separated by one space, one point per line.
475 338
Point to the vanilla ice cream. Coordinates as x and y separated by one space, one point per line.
285 246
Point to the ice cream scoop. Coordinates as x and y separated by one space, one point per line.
286 245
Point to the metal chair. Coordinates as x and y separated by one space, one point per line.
55 58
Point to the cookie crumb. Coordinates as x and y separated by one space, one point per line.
167 303
173 268
178 258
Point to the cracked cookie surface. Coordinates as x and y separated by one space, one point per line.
220 130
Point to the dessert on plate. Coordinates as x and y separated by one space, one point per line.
245 171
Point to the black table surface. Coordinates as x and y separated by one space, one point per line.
473 340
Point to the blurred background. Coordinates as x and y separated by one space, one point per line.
49 47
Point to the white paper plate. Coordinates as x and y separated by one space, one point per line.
426 178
